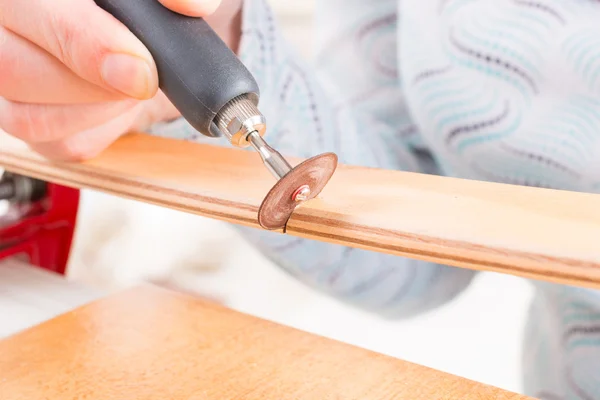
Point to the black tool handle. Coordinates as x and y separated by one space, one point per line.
196 70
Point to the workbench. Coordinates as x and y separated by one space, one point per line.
149 343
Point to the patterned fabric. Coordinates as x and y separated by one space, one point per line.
495 90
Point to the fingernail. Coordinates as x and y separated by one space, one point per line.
128 74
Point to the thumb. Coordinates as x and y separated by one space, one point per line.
192 8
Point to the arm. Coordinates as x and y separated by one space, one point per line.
330 107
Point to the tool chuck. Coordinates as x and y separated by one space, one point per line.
243 124
219 97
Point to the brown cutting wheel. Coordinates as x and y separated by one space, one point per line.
278 205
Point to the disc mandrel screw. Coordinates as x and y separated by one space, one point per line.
301 194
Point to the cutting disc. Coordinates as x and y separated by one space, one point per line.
278 205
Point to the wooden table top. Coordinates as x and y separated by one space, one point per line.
152 344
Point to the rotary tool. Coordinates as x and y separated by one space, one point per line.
218 96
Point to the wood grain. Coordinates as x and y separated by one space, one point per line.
148 343
530 232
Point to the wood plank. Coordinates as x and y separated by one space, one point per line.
530 232
147 343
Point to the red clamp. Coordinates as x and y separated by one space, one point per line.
41 229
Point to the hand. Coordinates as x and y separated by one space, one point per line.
73 79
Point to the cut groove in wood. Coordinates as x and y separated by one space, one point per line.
147 343
529 232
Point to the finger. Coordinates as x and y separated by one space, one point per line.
89 143
192 8
88 40
29 74
159 109
224 14
35 123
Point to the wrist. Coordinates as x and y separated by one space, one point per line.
227 23
231 33
235 32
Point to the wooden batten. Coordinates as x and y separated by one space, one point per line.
530 232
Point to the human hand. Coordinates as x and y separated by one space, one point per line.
73 79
